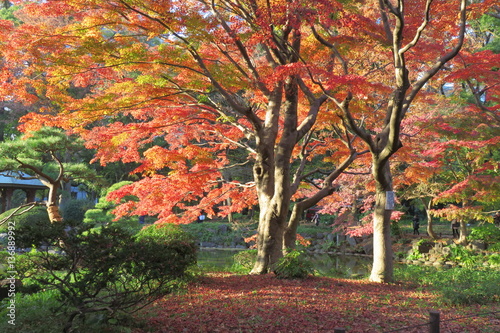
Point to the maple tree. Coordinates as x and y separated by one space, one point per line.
177 86
456 166
456 161
228 91
407 37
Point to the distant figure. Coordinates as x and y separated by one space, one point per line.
315 219
416 225
201 218
142 219
455 227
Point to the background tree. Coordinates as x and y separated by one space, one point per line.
50 156
455 161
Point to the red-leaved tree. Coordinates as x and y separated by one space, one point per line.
178 85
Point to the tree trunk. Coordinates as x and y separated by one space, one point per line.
290 236
54 215
291 229
382 270
269 239
272 175
230 215
462 239
52 203
430 229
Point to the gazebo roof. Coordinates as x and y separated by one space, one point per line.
7 181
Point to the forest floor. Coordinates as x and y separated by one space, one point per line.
224 302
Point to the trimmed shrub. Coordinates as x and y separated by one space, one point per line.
74 210
35 216
101 213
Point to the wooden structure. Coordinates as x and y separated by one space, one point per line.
9 183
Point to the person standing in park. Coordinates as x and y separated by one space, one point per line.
201 217
416 225
455 226
315 219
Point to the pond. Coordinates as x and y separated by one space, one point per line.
325 264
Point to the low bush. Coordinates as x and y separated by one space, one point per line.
455 286
488 233
109 271
74 210
245 259
494 259
462 286
494 247
223 234
36 216
464 257
41 313
32 311
102 213
294 265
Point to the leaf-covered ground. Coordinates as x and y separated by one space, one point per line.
234 303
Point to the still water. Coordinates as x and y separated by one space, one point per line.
325 264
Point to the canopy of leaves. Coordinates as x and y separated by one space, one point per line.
204 75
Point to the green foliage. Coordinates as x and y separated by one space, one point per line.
491 24
41 313
31 223
455 286
32 313
494 247
109 271
494 259
468 286
421 242
329 246
102 212
178 250
219 233
395 229
414 255
307 230
293 265
8 14
44 154
164 233
486 232
463 256
74 210
245 259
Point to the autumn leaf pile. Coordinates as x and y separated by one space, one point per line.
223 302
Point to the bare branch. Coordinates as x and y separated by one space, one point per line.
420 28
417 86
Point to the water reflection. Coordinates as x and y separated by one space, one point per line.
334 265
325 264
